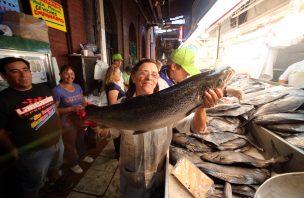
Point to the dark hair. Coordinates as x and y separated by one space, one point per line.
132 88
8 60
64 68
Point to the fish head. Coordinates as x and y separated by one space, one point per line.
219 78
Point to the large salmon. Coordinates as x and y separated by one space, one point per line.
144 113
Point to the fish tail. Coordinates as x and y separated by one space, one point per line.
247 121
282 159
277 158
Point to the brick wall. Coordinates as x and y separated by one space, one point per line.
58 39
58 43
77 24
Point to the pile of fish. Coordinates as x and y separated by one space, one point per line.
225 154
275 107
222 156
279 109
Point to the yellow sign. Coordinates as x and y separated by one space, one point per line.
49 11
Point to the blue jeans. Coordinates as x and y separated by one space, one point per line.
34 165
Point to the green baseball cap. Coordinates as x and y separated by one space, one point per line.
185 57
117 57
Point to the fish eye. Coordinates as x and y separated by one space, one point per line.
220 81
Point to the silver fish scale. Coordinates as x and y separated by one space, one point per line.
288 103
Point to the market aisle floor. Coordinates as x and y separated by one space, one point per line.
96 179
101 179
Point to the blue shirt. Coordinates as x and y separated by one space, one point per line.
163 73
67 98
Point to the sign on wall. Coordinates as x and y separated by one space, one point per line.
50 11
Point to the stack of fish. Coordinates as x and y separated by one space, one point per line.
280 109
275 107
234 173
222 154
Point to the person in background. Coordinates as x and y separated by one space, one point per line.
234 91
296 67
142 159
114 93
30 129
70 103
117 62
126 76
182 66
159 64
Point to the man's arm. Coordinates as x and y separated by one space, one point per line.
283 79
6 143
235 91
283 82
210 99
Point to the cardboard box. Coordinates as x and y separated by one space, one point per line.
26 26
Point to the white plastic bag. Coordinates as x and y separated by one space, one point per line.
100 70
103 99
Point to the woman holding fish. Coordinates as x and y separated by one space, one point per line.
142 158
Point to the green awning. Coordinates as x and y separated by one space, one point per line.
18 43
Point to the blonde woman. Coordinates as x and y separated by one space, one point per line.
113 90
114 93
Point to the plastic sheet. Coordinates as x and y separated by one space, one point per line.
196 182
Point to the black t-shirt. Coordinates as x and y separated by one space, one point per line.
30 117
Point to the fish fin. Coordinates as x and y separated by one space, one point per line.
191 111
251 117
139 132
247 121
227 190
250 142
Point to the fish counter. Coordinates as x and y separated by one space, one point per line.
272 143
250 140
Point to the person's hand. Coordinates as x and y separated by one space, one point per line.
104 132
235 91
101 132
78 109
211 97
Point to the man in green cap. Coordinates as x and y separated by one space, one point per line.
117 62
182 66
